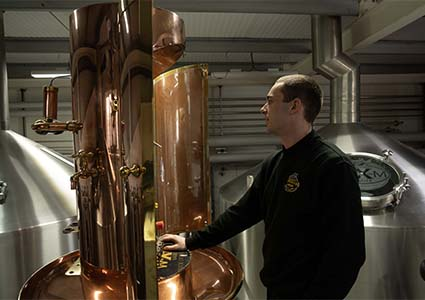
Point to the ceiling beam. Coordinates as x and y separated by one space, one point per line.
37 45
392 69
380 21
199 45
323 7
223 45
390 59
248 45
16 70
394 47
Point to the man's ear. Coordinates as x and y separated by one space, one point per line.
296 104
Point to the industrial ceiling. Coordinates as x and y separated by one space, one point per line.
382 36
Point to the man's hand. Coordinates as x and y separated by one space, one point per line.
178 242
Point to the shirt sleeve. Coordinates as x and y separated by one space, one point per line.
240 216
343 241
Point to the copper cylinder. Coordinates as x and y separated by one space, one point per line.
95 70
135 23
182 164
168 39
50 96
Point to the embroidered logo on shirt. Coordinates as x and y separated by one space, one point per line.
292 184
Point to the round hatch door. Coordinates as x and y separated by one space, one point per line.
381 183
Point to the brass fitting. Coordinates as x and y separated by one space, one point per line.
135 170
84 158
46 126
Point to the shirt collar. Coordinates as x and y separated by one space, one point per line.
302 144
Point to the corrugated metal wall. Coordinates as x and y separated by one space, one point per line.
234 114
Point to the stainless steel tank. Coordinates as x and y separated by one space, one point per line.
38 205
35 201
395 234
394 226
247 246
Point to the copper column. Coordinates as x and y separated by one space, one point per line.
96 98
135 25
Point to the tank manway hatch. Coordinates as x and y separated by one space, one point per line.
382 183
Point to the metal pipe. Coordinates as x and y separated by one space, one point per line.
4 97
341 70
239 157
226 141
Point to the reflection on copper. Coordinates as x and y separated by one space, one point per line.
106 284
50 96
96 99
135 25
168 39
112 67
167 35
182 165
214 274
178 285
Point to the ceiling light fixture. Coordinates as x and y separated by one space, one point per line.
50 74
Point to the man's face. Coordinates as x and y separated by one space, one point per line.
277 111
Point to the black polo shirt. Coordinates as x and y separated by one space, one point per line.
309 199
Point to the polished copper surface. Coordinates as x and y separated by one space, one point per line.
182 164
50 282
49 123
106 284
214 274
167 35
56 127
135 23
168 39
96 97
174 275
50 97
98 149
116 50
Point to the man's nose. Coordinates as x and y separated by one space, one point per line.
263 109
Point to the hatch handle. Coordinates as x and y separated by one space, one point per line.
3 191
400 189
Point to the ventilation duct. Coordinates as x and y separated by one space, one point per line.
341 70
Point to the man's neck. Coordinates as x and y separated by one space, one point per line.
296 134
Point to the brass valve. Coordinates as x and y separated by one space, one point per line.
84 159
135 170
50 126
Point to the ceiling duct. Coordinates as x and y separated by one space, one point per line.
341 70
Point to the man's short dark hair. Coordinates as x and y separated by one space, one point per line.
306 89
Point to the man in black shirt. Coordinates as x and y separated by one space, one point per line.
308 196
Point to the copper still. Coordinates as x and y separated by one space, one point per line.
141 163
